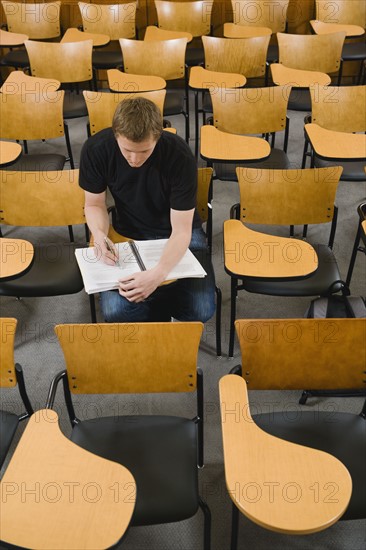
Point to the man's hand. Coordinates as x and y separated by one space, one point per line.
137 287
106 250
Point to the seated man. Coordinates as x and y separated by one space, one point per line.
152 176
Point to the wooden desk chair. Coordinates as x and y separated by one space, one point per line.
243 56
27 113
259 15
291 267
163 58
251 111
306 61
193 17
347 15
11 375
340 109
68 62
309 470
44 199
360 236
121 82
115 20
40 21
84 500
162 452
202 80
246 56
101 106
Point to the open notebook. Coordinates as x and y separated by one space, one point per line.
133 256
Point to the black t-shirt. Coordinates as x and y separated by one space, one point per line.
143 196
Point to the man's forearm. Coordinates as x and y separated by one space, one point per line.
173 252
97 220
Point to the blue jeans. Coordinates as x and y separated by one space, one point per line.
191 299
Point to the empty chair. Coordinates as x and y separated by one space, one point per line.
252 111
341 109
193 17
34 116
162 452
44 199
307 61
39 21
163 58
347 15
11 375
50 60
287 267
115 20
259 14
288 460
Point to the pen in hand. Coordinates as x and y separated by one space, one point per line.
111 250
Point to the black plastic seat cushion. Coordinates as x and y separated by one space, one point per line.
354 51
300 99
342 435
277 160
195 56
74 105
352 170
107 59
16 58
316 284
161 454
8 425
173 104
37 163
54 272
273 53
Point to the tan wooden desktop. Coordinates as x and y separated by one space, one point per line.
74 35
9 152
16 256
272 481
320 27
332 145
216 145
250 253
56 495
11 39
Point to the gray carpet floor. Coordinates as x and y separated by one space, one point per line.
39 353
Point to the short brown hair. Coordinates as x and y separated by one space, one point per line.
137 119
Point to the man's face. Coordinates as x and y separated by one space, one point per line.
136 153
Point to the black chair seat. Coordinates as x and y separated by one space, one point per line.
174 104
278 160
342 435
195 56
300 99
54 272
354 51
273 53
108 59
316 284
8 425
161 454
35 163
16 58
352 170
74 105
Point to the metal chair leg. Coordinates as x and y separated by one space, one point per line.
207 524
